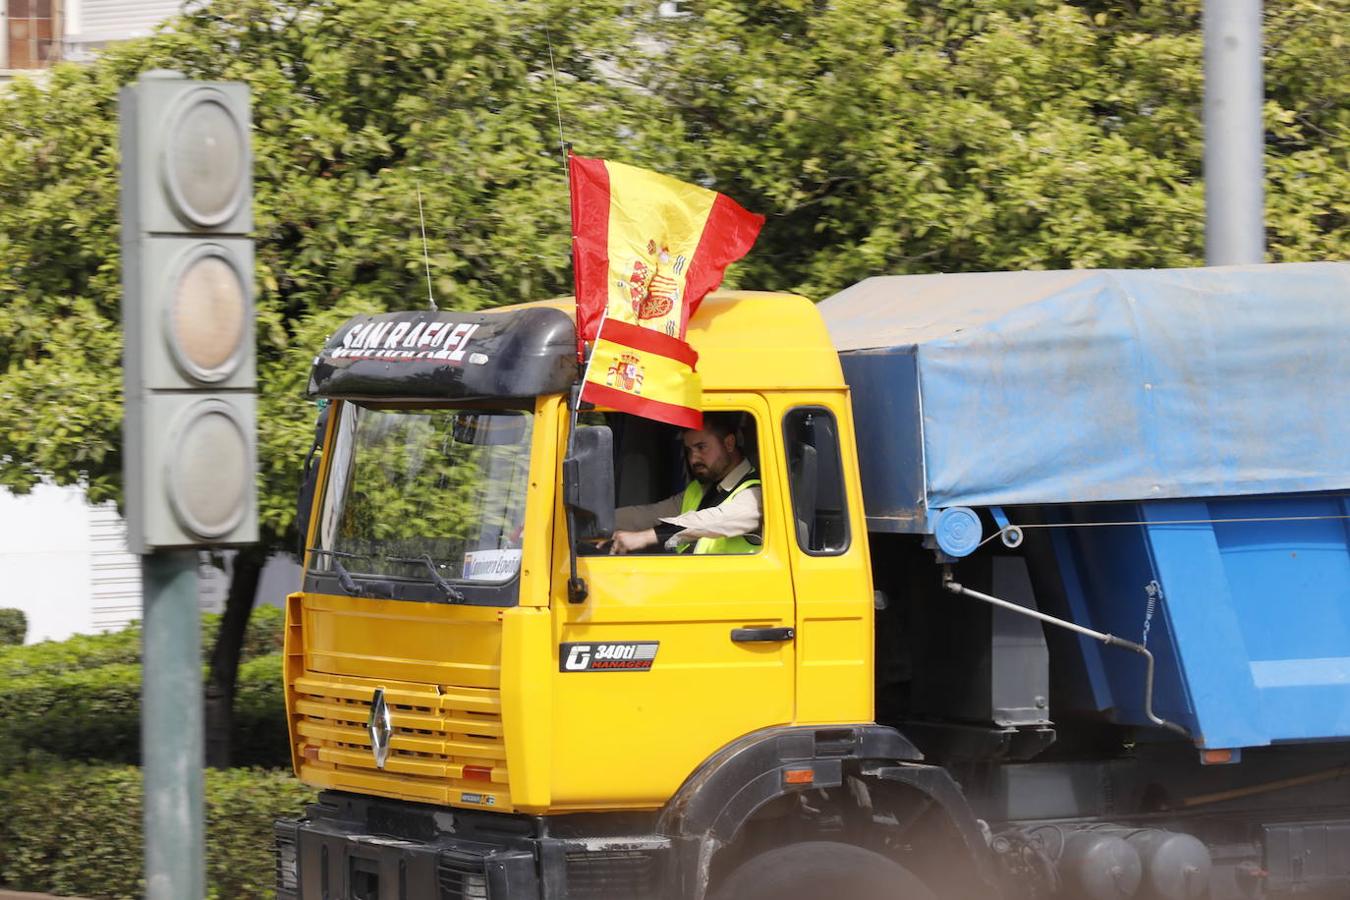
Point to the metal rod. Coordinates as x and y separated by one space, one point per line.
172 744
1109 639
426 258
577 591
1268 787
1234 134
557 102
1015 529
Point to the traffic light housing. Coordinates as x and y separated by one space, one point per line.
189 434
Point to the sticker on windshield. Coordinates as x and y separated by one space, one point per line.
611 656
491 565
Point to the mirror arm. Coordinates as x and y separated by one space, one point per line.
577 590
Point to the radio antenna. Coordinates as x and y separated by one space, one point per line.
557 100
426 259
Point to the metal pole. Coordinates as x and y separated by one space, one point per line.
1234 135
172 744
1109 639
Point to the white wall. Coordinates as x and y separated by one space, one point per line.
92 24
45 560
65 564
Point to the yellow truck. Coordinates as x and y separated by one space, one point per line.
862 707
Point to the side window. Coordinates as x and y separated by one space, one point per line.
816 480
662 472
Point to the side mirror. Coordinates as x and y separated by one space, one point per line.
588 482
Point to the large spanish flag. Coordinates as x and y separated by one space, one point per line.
646 250
646 247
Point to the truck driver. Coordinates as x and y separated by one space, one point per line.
721 509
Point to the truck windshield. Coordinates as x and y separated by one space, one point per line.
430 496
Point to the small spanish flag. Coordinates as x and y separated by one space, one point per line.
646 250
644 372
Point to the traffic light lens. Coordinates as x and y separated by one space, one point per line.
207 157
210 471
208 316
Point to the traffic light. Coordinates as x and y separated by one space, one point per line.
189 438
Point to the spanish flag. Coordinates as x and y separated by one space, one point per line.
644 372
646 250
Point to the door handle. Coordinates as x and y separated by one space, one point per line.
761 635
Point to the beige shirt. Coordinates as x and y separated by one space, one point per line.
739 515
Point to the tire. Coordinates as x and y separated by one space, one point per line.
821 870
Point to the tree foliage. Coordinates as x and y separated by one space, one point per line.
356 104
893 136
882 136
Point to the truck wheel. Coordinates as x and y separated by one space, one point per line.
821 870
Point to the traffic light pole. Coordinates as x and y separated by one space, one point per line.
189 433
172 742
1234 134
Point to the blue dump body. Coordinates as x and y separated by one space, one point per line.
1250 620
1182 437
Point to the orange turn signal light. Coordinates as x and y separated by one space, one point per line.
310 753
1216 757
799 776
478 773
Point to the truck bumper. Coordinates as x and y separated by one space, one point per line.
356 848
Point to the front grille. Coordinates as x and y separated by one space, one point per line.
461 876
611 874
446 746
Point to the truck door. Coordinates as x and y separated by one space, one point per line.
715 630
830 567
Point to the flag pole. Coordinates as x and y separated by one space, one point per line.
590 357
577 590
571 224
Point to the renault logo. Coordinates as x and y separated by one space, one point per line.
379 726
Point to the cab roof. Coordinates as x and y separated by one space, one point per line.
746 340
751 340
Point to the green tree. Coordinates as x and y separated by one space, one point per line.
356 103
893 136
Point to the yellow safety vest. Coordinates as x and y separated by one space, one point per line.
693 496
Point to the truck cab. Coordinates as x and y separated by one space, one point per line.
436 657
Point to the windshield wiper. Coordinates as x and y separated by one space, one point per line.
343 576
439 580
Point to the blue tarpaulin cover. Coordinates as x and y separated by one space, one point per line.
1014 388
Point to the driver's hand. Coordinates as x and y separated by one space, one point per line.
632 541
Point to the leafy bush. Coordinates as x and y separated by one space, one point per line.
92 651
76 829
266 628
82 651
260 736
264 635
83 714
13 626
94 714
